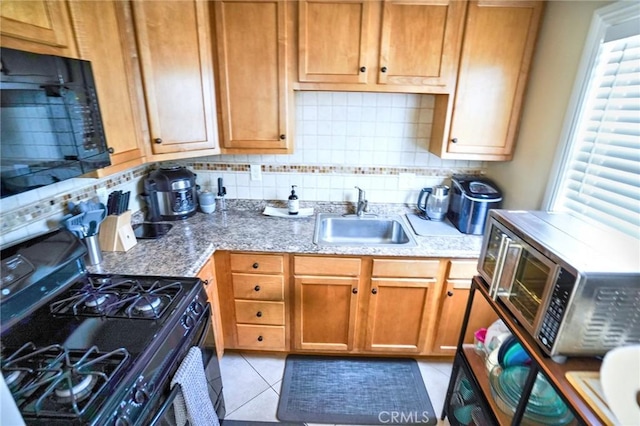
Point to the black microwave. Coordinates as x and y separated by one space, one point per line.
50 123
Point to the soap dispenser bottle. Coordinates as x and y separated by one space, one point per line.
294 203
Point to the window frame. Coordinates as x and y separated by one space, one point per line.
603 18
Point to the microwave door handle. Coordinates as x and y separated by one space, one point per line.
502 254
516 249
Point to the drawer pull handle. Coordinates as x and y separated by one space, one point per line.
257 288
354 291
449 293
374 291
255 265
259 314
260 339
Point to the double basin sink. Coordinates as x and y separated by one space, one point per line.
367 230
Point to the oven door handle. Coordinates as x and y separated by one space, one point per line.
166 405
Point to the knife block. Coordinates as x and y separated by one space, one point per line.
116 233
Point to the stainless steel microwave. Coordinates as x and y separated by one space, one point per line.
574 285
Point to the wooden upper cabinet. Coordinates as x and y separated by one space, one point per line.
175 55
252 69
39 26
420 42
112 70
334 39
497 49
393 45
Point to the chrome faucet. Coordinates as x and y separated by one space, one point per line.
361 207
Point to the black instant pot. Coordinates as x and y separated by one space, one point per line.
170 193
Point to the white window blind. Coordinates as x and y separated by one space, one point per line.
600 177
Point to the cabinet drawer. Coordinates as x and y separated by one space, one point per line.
260 312
257 263
405 268
261 337
259 287
335 266
462 269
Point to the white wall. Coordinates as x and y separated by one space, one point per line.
563 33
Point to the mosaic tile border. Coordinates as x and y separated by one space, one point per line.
25 215
346 170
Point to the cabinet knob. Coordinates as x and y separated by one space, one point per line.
260 339
205 282
158 140
283 137
454 140
374 291
255 265
257 288
363 69
111 150
354 291
449 293
383 69
259 314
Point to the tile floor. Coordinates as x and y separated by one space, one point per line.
252 384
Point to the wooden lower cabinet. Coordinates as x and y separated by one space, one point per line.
451 309
325 313
208 275
398 313
345 304
254 300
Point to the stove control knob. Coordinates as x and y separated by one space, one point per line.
187 321
197 308
141 395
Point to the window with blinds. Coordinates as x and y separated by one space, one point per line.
600 173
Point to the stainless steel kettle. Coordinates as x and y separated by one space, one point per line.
434 202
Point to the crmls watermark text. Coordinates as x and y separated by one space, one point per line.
399 417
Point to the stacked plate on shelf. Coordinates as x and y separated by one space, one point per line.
544 406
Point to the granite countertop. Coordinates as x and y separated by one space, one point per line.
243 227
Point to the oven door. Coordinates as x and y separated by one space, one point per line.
204 339
523 280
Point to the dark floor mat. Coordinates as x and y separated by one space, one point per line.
354 391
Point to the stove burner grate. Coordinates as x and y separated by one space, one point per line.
60 382
118 297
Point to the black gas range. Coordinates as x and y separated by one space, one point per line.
80 348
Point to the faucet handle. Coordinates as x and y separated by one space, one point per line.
360 192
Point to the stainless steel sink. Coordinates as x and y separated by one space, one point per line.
339 230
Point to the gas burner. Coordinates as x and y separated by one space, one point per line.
147 304
76 387
96 301
13 378
62 382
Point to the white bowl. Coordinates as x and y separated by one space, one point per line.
209 208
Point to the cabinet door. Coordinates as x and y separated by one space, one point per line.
174 47
113 75
325 313
398 315
420 42
251 59
452 308
333 41
40 26
494 65
208 276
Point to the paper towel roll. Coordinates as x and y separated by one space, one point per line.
620 378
